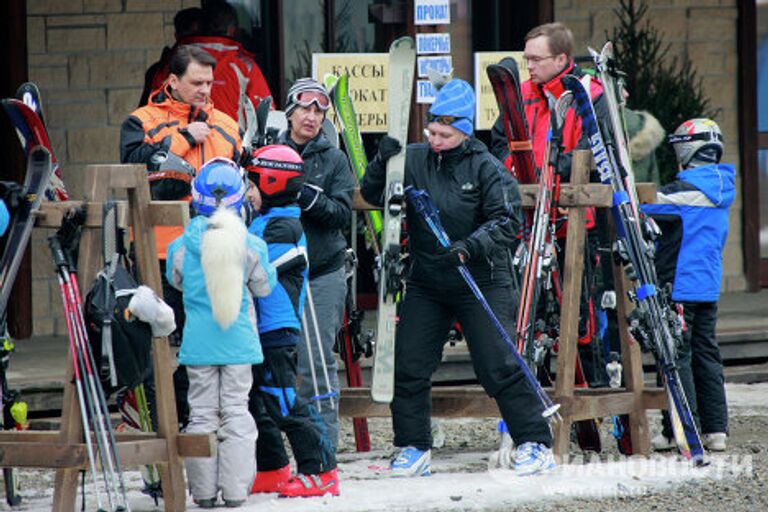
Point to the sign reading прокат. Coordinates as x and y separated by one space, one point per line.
431 12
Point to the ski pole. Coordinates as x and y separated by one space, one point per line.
330 393
91 403
311 359
69 317
107 432
424 207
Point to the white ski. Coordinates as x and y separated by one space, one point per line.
402 58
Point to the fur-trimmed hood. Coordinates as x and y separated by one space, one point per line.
648 136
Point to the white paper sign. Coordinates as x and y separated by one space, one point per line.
442 64
425 91
433 43
431 12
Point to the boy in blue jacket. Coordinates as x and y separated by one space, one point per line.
692 212
278 174
219 266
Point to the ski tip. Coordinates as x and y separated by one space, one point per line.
510 63
39 154
330 80
405 42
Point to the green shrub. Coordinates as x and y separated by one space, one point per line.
667 87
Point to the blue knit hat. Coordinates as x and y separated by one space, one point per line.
456 98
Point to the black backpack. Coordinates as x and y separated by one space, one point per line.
107 317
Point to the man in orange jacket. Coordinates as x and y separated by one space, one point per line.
178 124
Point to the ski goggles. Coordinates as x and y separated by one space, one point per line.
444 120
703 136
307 98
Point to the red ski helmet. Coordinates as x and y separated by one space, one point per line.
278 172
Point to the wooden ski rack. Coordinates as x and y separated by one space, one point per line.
576 403
65 450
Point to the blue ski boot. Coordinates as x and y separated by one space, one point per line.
533 458
411 461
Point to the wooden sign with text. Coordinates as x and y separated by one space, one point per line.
487 110
367 85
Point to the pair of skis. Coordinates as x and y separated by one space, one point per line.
537 323
25 111
338 88
42 179
353 342
653 323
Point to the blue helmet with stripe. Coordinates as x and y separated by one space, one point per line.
219 182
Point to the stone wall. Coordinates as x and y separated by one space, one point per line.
706 32
88 58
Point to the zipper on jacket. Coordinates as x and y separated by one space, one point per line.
490 265
439 161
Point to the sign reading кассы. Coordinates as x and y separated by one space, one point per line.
368 81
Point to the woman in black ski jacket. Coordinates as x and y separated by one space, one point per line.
478 202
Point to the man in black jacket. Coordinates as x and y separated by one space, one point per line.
326 204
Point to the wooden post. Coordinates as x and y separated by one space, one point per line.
632 362
100 179
573 270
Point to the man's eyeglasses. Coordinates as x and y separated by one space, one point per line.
443 120
535 59
307 98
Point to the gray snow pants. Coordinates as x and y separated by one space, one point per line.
218 403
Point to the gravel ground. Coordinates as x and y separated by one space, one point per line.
738 482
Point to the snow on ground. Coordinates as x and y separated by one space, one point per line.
461 481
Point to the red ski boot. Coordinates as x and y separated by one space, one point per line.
305 486
271 481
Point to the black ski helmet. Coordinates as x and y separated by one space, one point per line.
278 172
170 176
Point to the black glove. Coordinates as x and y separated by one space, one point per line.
11 192
308 196
388 147
454 255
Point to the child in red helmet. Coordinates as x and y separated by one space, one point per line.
277 171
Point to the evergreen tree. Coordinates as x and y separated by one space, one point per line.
667 87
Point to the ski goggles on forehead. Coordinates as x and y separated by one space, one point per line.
444 120
705 136
307 98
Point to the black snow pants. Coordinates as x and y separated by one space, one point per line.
426 315
276 407
701 370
